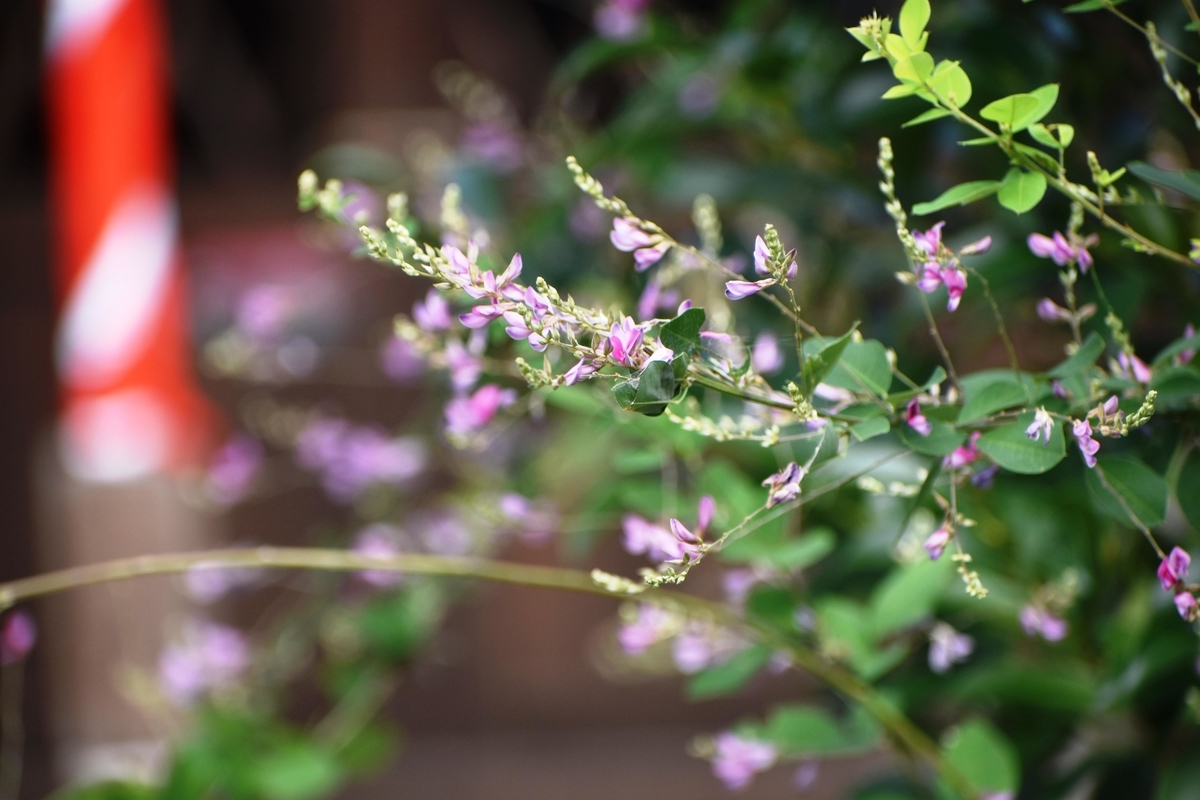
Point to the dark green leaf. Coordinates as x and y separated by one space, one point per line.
682 334
727 678
650 392
992 397
1091 5
876 426
909 594
1184 181
1143 490
863 366
1082 359
819 363
959 195
1009 447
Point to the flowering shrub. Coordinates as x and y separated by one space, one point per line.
966 558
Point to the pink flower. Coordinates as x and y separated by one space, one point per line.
518 328
1186 356
399 360
378 541
650 626
765 357
263 312
935 545
1174 569
209 657
738 290
620 20
648 249
1110 406
656 542
464 366
1037 621
581 371
736 760
480 316
467 414
1082 431
1185 603
690 545
955 280
433 313
1061 251
1134 367
964 454
17 637
977 248
625 341
784 485
915 419
930 241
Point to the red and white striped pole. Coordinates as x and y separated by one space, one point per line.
129 407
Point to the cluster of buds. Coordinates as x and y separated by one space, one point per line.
770 262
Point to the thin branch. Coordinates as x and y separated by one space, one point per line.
1141 526
1008 345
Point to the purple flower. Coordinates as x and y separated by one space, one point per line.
581 371
784 485
1042 426
766 357
738 290
690 545
1110 406
1037 621
537 525
977 247
351 458
1186 356
399 360
433 313
495 144
1061 251
1133 367
930 241
1051 311
964 454
467 414
625 341
984 478
1082 431
518 328
464 366
915 419
805 776
647 249
706 509
263 312
736 760
1185 603
655 541
17 637
209 657
1174 569
480 316
935 545
378 541
208 582
444 533
955 280
620 20
948 647
736 585
234 468
1059 390
649 626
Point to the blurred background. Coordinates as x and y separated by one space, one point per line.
760 104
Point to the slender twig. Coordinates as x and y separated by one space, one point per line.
904 731
12 737
937 337
1000 327
1141 526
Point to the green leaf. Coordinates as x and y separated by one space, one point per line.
1143 490
818 364
108 790
1066 133
1184 181
959 195
1042 135
863 366
993 397
914 16
1177 347
650 392
951 82
898 91
727 678
909 594
802 730
396 624
1082 359
1009 447
845 628
1091 5
369 748
941 441
1046 96
1014 112
984 756
914 69
928 116
794 554
869 429
682 334
297 772
1187 490
1047 161
1021 190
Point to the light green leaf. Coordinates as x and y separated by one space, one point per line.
928 116
898 91
1042 135
909 594
993 397
914 69
1082 359
984 756
876 426
1066 133
941 441
1009 447
863 366
727 678
297 772
1021 190
1046 96
914 16
951 82
1091 5
959 195
1014 112
1143 490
